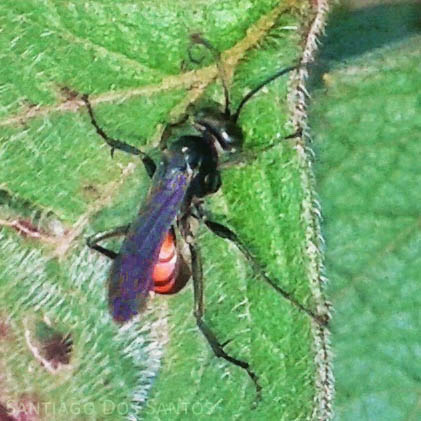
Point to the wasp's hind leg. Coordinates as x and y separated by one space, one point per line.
217 347
93 240
225 232
114 144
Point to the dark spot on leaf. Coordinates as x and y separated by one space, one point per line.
54 346
26 229
91 192
58 349
68 93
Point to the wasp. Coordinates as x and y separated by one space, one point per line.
160 251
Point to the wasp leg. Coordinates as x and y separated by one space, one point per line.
93 240
224 232
217 347
148 163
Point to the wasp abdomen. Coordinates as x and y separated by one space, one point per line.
166 269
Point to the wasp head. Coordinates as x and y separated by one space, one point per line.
220 129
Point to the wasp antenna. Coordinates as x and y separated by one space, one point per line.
198 39
260 86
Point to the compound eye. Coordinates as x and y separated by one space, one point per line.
231 138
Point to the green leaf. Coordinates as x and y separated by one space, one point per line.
366 118
58 185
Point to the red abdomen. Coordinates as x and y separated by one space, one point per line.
165 272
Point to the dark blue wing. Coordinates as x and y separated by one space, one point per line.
131 274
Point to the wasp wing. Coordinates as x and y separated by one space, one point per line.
131 274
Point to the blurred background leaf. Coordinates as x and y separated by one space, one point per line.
366 121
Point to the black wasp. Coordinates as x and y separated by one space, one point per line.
160 251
